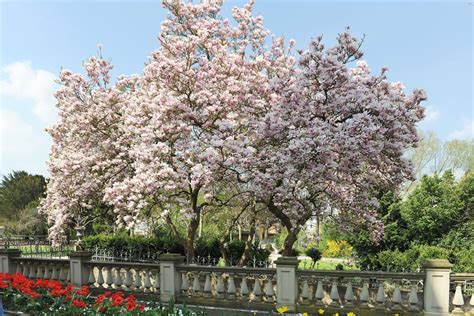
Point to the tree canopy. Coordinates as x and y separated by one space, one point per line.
224 113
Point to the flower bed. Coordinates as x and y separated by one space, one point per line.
46 297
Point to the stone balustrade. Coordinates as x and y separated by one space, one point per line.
120 276
434 291
360 291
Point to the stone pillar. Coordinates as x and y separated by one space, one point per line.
6 263
287 282
169 276
78 270
436 288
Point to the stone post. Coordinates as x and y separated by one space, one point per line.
6 263
436 288
287 282
170 278
79 271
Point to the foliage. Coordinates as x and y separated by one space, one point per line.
208 248
433 156
437 212
435 200
20 193
235 249
411 259
337 249
135 246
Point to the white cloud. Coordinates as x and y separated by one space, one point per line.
37 86
431 115
466 132
23 147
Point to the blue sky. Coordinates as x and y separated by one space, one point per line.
424 44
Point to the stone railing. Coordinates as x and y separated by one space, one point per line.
434 291
121 276
360 291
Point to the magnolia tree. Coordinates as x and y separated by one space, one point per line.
336 136
223 113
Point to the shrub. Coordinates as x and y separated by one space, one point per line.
463 260
412 259
315 255
337 249
208 248
234 250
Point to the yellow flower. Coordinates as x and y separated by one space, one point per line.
351 314
321 311
283 309
305 314
396 315
337 314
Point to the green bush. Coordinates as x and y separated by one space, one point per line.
135 246
464 261
207 248
412 259
235 249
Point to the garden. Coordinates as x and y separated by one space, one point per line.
238 154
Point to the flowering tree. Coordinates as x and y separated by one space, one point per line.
219 116
89 144
337 135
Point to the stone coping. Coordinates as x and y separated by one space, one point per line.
437 264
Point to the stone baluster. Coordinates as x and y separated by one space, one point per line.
397 298
128 279
365 295
68 276
19 268
458 300
47 272
257 290
32 274
471 302
62 274
138 280
108 277
118 278
413 297
184 284
196 285
40 274
55 272
147 281
231 289
220 288
156 284
305 292
244 290
91 279
269 295
334 294
207 286
349 295
319 295
380 296
100 277
25 269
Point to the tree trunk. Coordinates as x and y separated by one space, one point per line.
189 243
290 241
248 243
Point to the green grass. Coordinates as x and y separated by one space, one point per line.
325 265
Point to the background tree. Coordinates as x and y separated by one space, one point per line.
20 193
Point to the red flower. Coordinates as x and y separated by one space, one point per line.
131 303
141 307
84 291
79 304
3 285
101 309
